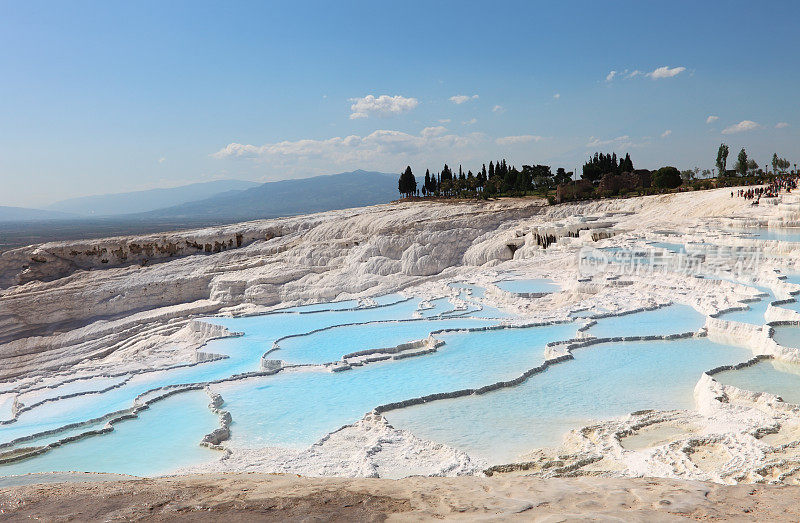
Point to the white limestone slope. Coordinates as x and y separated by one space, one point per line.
126 304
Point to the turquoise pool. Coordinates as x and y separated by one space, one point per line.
603 381
770 376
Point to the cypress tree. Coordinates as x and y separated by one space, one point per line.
407 184
626 165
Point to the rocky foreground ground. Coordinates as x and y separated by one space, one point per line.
263 497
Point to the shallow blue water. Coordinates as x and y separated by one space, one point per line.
331 345
603 381
245 353
528 286
788 234
317 307
298 408
440 306
672 247
74 387
774 377
794 306
787 335
137 446
754 315
673 319
477 292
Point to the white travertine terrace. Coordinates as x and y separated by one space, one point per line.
71 310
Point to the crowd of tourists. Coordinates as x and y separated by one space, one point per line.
772 189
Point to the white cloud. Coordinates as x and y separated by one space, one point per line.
433 131
712 119
619 140
444 120
666 133
499 109
744 125
462 98
472 121
665 72
557 96
610 76
781 125
383 105
514 140
381 147
634 74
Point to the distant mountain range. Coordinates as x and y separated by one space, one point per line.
21 214
144 201
289 197
219 201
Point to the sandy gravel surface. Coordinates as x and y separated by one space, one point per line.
261 497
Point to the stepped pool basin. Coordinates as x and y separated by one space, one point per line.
754 314
668 246
673 319
163 438
530 286
784 234
770 376
602 381
301 404
787 335
298 408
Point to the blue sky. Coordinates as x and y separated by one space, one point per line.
99 97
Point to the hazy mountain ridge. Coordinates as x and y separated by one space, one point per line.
272 199
18 214
290 197
148 200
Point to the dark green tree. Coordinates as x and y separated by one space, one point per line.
407 184
741 163
481 178
722 159
561 176
667 178
593 169
626 165
446 174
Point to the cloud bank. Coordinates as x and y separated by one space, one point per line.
619 140
656 74
514 140
744 125
383 105
383 146
462 98
665 72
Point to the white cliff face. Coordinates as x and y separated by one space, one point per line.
126 304
63 302
83 304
